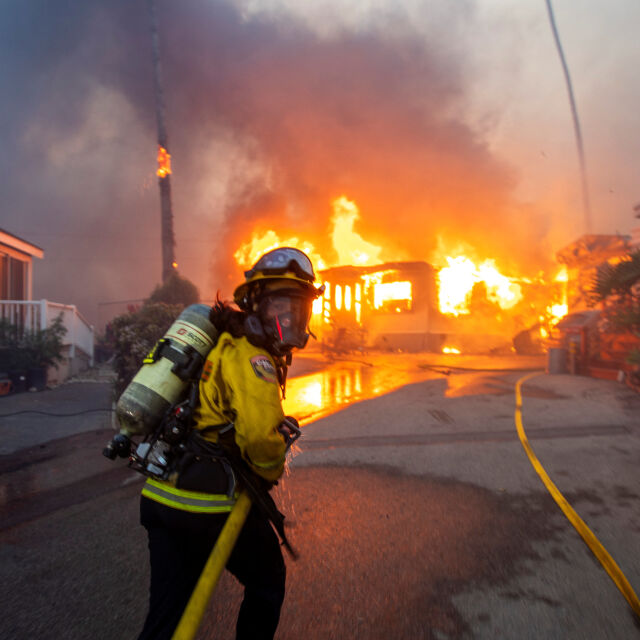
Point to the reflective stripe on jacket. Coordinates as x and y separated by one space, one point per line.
193 501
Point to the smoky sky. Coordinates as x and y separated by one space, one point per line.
268 123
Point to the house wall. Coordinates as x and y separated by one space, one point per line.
405 328
15 276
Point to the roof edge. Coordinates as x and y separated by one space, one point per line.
21 245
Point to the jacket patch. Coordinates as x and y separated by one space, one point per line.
264 369
206 371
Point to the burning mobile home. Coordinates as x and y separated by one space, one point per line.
389 306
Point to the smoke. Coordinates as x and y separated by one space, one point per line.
269 120
369 114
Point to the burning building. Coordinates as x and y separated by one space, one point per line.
389 306
456 301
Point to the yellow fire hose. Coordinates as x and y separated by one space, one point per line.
607 562
192 616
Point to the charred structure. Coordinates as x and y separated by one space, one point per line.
387 306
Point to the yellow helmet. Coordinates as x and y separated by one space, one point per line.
284 263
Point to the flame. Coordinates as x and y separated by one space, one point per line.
559 310
450 350
164 162
468 282
393 293
457 279
249 252
349 245
562 275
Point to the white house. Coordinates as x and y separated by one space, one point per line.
18 307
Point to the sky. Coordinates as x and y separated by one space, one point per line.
444 121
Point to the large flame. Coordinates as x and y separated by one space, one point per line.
465 277
349 245
460 271
458 278
259 244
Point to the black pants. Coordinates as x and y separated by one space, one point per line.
179 545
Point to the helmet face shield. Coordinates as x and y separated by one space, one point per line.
285 266
281 260
285 316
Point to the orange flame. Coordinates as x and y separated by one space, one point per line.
559 310
450 350
459 274
249 252
349 245
164 162
460 269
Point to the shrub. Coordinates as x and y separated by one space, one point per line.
22 349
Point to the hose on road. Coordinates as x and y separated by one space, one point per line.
603 556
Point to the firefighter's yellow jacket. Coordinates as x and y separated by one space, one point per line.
239 384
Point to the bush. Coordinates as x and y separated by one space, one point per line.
20 349
134 335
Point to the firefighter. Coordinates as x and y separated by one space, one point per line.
240 438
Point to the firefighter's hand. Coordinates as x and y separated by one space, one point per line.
290 430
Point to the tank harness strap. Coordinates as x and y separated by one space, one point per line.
219 428
186 361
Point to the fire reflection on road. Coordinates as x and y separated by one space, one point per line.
342 383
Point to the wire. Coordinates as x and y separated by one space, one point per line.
55 415
576 121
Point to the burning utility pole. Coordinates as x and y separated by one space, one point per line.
164 158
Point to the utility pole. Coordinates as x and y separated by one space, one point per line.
164 158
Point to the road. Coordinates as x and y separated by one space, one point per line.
415 510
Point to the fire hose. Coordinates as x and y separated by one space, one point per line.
194 611
603 556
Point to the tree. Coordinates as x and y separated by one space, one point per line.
617 287
175 290
132 335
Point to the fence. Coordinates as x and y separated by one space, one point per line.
33 315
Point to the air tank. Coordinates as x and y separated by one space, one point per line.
162 380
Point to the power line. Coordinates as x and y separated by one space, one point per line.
576 122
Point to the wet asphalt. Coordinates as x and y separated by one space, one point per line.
414 508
